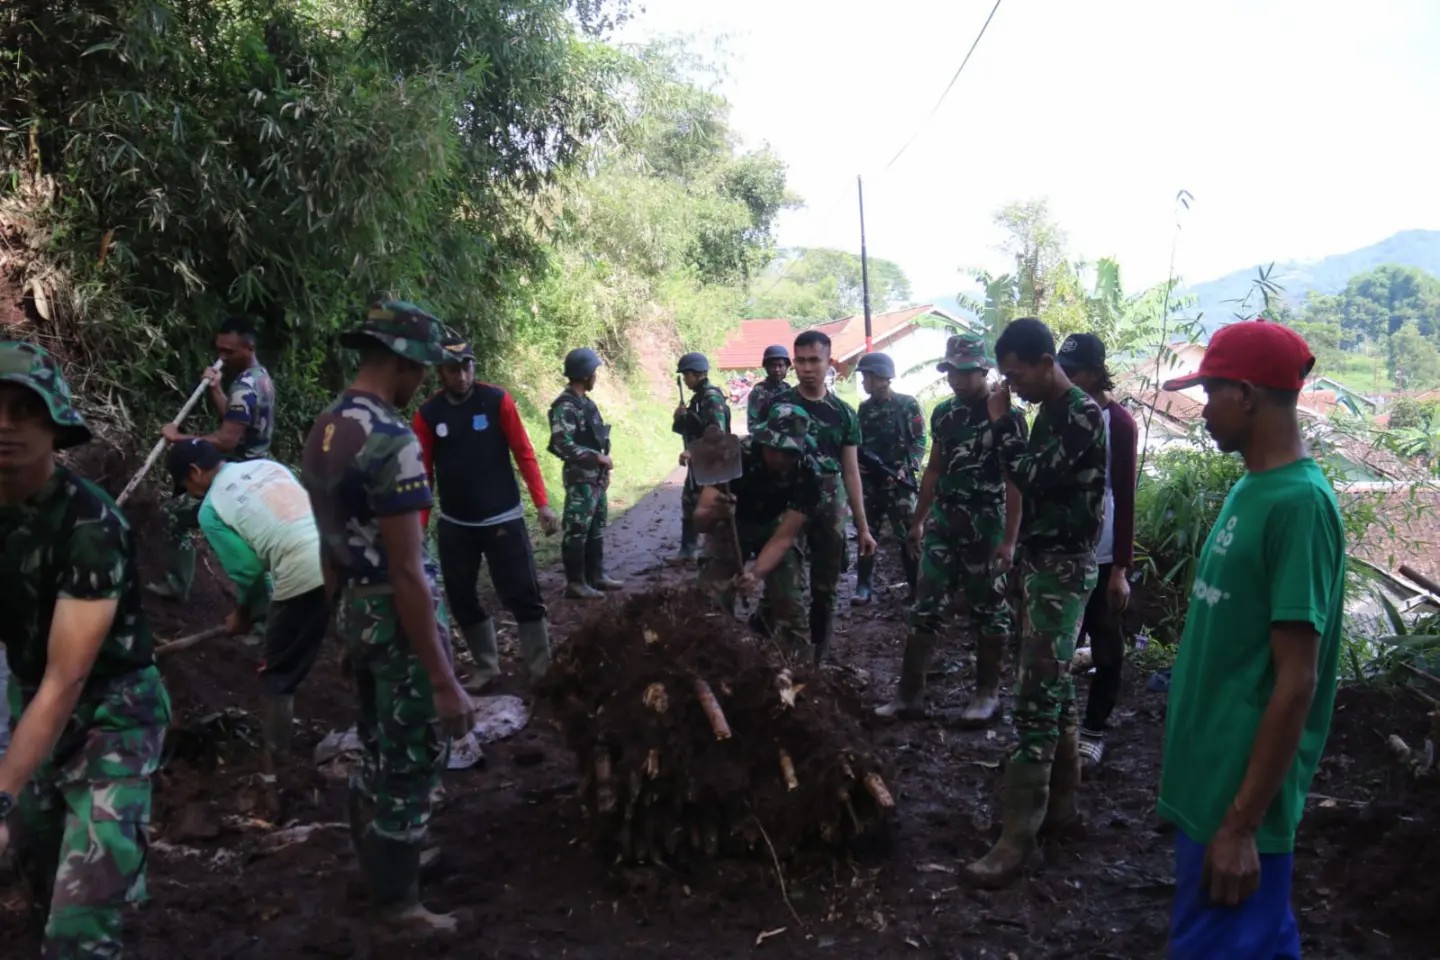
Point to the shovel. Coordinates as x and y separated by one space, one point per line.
715 461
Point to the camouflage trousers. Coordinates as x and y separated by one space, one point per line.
82 823
180 517
783 605
825 545
1054 590
587 509
402 748
887 504
949 565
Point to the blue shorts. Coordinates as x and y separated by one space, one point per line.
1262 927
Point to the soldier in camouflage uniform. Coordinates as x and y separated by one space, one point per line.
1061 476
776 362
892 443
91 705
968 542
580 437
363 469
835 428
707 407
778 492
243 395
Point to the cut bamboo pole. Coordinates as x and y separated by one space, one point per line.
711 706
878 790
787 770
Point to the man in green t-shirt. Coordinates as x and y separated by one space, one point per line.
1254 685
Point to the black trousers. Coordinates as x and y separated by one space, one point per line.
294 633
464 550
1107 644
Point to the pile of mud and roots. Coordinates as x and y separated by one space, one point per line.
695 739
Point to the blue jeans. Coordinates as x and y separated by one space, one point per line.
1262 927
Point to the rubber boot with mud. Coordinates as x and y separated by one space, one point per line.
277 718
909 701
480 638
595 567
989 653
392 868
573 556
911 566
535 648
1026 794
822 629
1063 812
689 541
864 580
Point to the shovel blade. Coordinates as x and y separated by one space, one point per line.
715 458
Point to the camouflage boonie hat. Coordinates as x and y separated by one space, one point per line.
33 367
404 328
786 427
965 352
457 347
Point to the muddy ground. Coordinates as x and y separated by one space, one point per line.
225 885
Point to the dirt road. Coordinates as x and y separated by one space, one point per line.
227 886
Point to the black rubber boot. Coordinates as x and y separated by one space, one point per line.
822 628
595 567
392 868
909 701
573 556
689 540
864 580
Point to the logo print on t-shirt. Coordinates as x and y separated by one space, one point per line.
443 430
1225 537
480 422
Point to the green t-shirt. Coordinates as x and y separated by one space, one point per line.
1275 555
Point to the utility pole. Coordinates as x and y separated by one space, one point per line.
864 265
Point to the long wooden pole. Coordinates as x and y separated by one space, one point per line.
161 444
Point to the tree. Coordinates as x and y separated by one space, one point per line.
816 284
1414 360
1037 244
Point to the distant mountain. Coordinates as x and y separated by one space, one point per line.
1409 248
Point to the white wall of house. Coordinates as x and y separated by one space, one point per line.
924 347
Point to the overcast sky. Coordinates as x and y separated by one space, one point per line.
1301 127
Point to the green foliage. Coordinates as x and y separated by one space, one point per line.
813 285
1414 358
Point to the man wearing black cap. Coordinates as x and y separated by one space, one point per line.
1254 684
1082 357
256 518
892 444
469 432
776 362
707 407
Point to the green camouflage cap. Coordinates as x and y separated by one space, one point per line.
31 366
404 328
965 352
786 427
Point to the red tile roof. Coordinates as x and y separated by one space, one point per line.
744 348
847 336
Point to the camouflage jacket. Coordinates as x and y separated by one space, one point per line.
970 495
361 462
762 498
834 425
578 435
69 541
761 396
252 402
708 405
894 430
1060 473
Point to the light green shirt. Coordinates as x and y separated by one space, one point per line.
257 519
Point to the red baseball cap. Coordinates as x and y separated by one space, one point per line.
1263 353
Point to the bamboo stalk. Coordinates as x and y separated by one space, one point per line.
711 706
878 790
787 770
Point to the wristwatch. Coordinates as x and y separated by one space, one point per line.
7 803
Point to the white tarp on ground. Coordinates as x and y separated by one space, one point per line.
496 718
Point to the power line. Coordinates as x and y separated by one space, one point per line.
948 87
